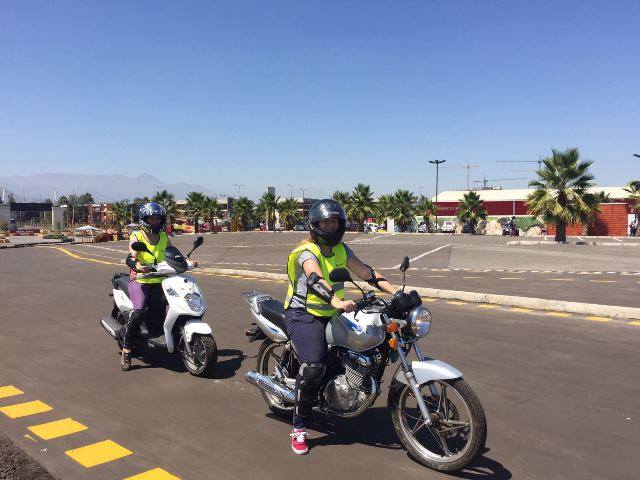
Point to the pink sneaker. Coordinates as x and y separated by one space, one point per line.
299 441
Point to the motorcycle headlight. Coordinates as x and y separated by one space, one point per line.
194 300
420 321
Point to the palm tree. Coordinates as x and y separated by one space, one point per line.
289 214
359 207
168 201
427 208
195 207
211 210
243 211
633 189
341 197
471 209
267 208
403 208
383 209
118 215
561 196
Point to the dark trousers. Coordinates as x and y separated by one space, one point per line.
307 334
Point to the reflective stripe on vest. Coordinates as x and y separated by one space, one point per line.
314 304
147 259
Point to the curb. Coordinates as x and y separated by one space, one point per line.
35 244
548 242
474 297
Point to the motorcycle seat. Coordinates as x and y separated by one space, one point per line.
121 282
273 310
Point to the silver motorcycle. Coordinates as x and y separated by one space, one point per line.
437 416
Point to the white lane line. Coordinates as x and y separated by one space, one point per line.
423 254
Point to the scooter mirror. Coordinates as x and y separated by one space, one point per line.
340 275
197 242
139 247
404 265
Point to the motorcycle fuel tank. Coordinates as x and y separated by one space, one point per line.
359 333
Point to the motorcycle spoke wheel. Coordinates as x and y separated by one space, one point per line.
270 357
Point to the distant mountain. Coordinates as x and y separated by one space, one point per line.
106 188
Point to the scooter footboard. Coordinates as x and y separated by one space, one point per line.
192 327
428 370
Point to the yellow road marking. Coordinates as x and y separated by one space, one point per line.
9 391
561 279
486 305
511 278
25 409
634 323
98 453
56 429
604 281
455 302
521 310
436 276
426 299
558 314
155 474
598 319
64 250
471 277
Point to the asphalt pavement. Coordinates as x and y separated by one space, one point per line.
560 393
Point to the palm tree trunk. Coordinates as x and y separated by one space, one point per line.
561 232
195 224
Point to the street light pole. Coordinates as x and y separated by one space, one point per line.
437 164
239 187
302 189
290 190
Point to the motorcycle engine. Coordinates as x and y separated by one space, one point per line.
351 389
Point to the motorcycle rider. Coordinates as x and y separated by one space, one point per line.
312 299
153 218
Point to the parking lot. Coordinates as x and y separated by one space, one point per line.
554 408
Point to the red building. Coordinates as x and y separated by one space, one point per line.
613 219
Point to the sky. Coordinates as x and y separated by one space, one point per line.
318 94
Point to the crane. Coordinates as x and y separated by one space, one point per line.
468 167
539 162
484 181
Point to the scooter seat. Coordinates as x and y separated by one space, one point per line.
121 282
273 310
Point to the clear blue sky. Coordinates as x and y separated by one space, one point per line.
320 94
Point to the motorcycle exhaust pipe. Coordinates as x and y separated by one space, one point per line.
265 383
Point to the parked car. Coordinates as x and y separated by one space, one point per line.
448 226
422 228
300 227
371 227
468 228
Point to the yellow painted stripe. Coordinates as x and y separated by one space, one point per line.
598 319
521 310
98 453
9 391
486 305
457 303
64 250
436 276
511 278
471 277
155 474
604 281
56 429
425 299
25 409
561 279
558 314
634 323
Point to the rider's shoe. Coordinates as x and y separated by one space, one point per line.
299 441
125 361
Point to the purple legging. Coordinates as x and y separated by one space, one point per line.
139 294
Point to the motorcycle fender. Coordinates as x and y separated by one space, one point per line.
196 326
428 370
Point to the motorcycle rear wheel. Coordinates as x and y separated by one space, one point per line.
268 357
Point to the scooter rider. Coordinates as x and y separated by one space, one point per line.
153 219
312 299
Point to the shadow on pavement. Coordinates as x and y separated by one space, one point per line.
229 361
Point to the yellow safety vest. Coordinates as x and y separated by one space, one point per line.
147 259
314 304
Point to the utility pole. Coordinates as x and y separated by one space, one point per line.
239 187
302 189
290 189
437 164
468 168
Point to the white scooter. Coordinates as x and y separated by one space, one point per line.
174 319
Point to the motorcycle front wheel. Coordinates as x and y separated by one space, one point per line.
458 430
205 355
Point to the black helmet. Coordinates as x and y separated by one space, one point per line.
149 209
323 210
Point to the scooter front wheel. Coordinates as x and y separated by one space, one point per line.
204 358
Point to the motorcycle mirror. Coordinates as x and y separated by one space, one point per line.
198 241
340 275
139 247
405 264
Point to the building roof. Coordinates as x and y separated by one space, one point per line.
519 194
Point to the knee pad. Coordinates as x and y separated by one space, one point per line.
311 374
135 317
